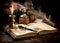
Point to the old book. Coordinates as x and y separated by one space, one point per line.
31 29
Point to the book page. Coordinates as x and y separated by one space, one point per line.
20 31
41 26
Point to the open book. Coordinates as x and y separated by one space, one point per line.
31 29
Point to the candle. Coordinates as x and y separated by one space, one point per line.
12 16
12 8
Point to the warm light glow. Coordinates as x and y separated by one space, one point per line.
12 8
